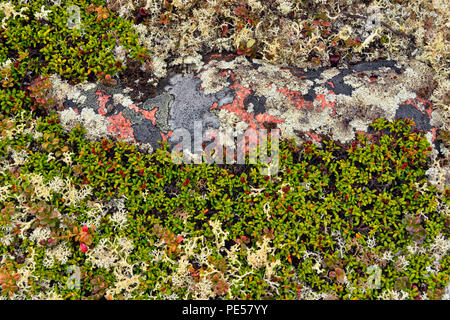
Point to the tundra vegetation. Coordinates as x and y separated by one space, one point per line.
98 219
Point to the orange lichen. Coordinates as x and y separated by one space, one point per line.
121 126
150 115
102 98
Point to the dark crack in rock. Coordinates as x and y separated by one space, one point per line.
421 120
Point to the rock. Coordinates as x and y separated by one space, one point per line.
233 92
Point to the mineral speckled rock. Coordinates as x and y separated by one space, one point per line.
232 92
328 101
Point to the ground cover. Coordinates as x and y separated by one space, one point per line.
96 218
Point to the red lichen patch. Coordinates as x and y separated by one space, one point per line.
433 132
214 56
102 98
150 115
214 106
242 92
229 57
428 108
325 103
267 118
165 137
121 126
299 102
296 98
220 57
238 107
242 114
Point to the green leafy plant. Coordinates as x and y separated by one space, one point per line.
53 144
39 91
8 278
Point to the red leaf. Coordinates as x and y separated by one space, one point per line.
83 247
